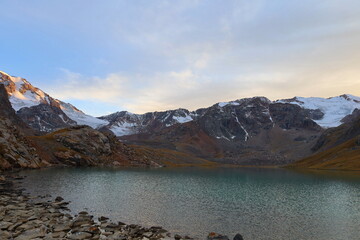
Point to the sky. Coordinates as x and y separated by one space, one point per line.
141 55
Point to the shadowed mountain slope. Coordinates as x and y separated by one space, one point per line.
337 148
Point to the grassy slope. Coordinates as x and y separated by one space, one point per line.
345 156
47 144
172 158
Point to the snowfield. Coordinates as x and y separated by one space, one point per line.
334 108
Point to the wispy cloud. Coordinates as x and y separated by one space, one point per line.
155 55
170 90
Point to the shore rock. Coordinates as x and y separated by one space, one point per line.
238 237
217 236
23 217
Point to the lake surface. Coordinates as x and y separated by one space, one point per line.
258 203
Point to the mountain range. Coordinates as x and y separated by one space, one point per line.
248 131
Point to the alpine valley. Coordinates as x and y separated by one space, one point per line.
37 130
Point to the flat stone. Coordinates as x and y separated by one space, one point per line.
33 233
80 235
5 234
62 228
5 225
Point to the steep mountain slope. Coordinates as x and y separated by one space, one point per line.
345 156
15 149
337 148
51 114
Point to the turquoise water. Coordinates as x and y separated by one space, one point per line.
258 203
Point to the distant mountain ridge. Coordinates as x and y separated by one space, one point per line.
251 131
46 114
326 112
248 131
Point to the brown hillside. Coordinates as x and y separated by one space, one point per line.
345 156
337 148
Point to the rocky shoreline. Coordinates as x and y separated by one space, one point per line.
25 217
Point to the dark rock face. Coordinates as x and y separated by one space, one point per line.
6 110
352 117
292 116
238 237
237 121
45 117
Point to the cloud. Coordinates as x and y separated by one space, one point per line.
156 55
186 89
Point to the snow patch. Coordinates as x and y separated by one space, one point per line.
125 129
181 119
82 118
223 104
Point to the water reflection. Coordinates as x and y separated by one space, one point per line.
258 203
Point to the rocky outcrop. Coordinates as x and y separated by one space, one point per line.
15 149
84 146
289 116
352 117
7 112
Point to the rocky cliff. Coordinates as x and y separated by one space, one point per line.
15 149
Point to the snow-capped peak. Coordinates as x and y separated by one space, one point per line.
23 94
334 108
